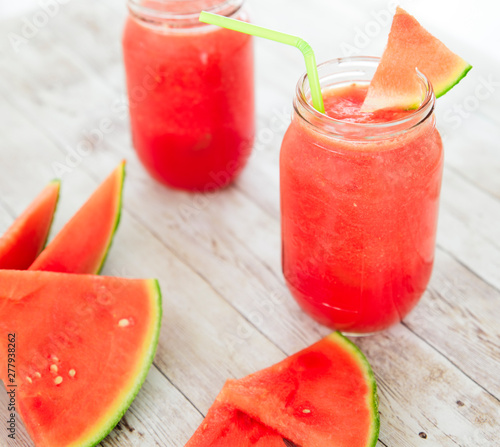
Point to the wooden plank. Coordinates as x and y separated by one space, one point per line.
421 392
468 226
169 417
458 316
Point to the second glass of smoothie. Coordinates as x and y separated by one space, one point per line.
191 92
359 202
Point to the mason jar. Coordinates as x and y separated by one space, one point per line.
191 92
359 201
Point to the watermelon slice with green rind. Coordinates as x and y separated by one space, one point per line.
83 347
395 84
323 396
26 237
83 243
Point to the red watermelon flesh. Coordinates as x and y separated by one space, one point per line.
322 396
225 426
395 83
83 347
26 237
83 243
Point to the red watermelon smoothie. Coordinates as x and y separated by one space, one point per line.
359 202
191 92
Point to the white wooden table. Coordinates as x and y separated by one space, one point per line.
227 311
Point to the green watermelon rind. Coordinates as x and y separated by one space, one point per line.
127 401
57 182
466 70
437 93
117 219
370 380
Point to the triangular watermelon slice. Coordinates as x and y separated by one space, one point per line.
83 243
26 237
322 396
225 426
395 83
82 346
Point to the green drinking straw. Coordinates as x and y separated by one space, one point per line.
259 31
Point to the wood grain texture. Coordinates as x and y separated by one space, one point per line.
227 311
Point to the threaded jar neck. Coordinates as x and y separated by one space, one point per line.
360 69
180 14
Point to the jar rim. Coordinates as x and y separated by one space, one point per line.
351 130
158 11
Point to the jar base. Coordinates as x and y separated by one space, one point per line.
353 323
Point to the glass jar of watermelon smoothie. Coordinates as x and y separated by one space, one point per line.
191 92
359 202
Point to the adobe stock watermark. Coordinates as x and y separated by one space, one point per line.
484 89
265 308
201 200
32 24
105 126
456 115
364 35
75 155
275 126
